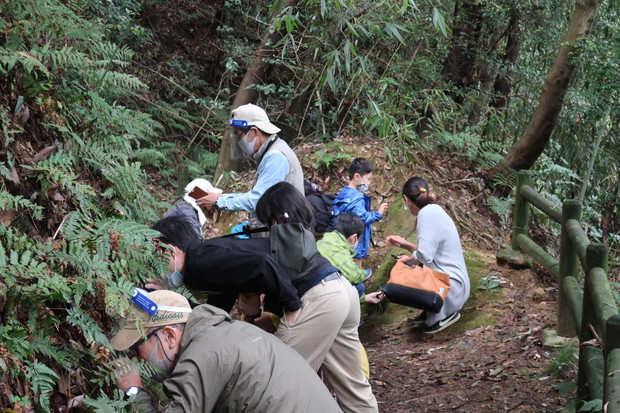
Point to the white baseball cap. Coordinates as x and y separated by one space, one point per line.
252 115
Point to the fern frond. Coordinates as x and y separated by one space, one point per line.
104 404
42 379
89 327
19 203
42 345
120 80
66 57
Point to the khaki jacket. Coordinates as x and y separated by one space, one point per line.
232 366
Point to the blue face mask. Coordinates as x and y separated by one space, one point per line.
247 147
174 280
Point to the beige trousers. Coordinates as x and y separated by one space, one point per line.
325 334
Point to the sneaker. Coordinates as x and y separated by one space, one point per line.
368 273
440 325
418 321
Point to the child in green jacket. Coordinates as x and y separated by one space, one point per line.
339 246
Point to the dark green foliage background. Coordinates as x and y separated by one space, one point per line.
119 93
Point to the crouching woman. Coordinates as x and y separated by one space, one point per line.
439 248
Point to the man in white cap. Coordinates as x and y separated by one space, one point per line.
212 363
276 162
187 208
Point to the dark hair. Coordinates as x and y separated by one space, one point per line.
176 231
411 190
360 166
310 188
284 204
347 223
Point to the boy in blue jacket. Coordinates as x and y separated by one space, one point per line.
352 199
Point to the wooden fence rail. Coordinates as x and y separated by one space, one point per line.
588 311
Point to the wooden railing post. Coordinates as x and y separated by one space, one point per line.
611 396
182 179
596 256
522 209
571 209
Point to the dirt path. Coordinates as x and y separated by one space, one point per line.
485 369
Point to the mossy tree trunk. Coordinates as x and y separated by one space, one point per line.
538 132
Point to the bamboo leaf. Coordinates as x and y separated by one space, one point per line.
439 22
347 56
394 31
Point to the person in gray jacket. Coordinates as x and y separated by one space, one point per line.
212 363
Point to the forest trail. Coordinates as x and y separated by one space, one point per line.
491 360
494 367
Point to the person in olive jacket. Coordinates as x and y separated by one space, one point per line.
212 363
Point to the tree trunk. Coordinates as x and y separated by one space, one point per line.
503 83
486 78
538 132
460 65
255 74
479 106
601 133
609 219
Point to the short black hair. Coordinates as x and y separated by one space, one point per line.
348 223
283 203
176 231
360 166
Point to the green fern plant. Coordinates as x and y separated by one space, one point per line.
330 155
42 379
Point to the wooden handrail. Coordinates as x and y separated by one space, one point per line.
590 311
553 210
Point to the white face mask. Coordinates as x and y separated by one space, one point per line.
247 147
356 243
165 364
363 187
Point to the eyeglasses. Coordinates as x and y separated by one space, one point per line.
134 347
241 132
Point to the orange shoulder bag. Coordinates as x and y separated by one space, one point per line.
418 287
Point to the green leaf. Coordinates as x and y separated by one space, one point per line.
290 24
595 405
25 258
439 22
347 56
330 79
2 256
394 31
564 387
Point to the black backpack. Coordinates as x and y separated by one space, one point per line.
322 204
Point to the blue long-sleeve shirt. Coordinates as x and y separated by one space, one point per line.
352 200
273 168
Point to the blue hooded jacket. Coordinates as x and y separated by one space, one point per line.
352 200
